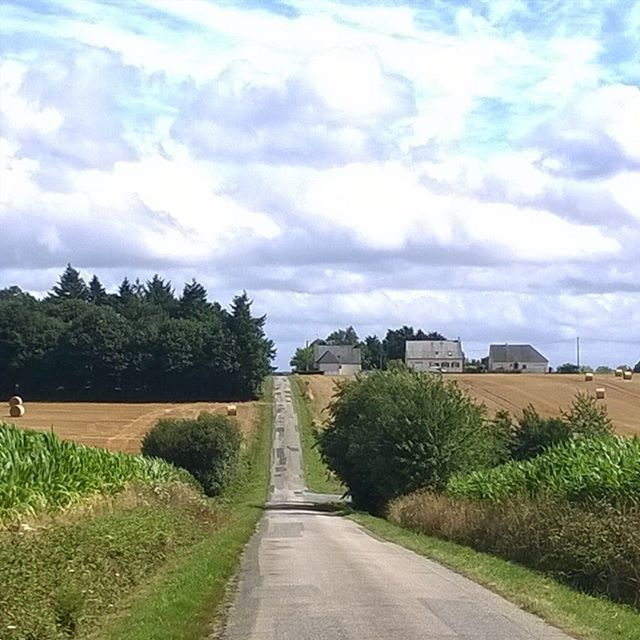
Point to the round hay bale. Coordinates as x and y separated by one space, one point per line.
16 411
618 373
15 400
232 410
627 375
310 395
600 393
588 377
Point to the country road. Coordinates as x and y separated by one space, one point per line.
313 575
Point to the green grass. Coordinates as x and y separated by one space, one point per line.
580 615
182 603
317 476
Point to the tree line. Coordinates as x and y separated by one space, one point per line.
141 343
375 353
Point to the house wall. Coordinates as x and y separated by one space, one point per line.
450 365
523 367
339 369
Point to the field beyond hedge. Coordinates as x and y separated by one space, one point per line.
117 426
547 393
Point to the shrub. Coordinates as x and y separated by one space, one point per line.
208 447
533 434
593 546
392 432
586 417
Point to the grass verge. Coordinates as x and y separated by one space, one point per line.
317 476
184 602
580 615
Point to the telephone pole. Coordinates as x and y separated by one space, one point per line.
578 351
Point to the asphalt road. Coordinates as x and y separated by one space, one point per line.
312 575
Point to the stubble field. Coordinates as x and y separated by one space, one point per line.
547 393
116 426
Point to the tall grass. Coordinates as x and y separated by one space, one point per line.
606 468
39 471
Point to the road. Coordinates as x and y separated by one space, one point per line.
313 575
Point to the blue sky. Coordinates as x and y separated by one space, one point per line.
467 167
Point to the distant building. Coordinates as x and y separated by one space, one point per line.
337 360
511 358
434 355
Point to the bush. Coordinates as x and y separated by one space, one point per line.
593 546
534 434
392 432
208 447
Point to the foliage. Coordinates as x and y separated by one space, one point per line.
568 367
533 434
38 471
373 356
303 359
603 369
208 447
343 336
592 546
605 468
394 341
139 344
636 369
586 417
394 431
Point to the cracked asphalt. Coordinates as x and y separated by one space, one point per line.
314 575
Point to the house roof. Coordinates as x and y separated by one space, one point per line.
515 353
336 354
423 349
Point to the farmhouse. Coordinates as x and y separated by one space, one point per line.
337 360
521 358
425 355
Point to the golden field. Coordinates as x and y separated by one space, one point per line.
547 393
116 426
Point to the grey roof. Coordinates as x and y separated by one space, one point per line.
424 349
515 353
343 354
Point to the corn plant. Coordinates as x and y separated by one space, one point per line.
39 471
592 468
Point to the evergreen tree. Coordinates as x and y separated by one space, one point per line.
346 336
254 350
125 291
97 293
193 302
70 286
159 293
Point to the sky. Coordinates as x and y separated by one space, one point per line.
468 167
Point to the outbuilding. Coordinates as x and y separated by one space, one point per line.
337 360
516 358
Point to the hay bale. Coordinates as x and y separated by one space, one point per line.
232 410
600 393
588 377
310 395
627 375
16 411
618 373
15 400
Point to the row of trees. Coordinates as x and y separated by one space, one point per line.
376 353
143 342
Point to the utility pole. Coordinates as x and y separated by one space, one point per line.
578 351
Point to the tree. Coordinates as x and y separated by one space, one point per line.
603 369
15 293
394 342
193 302
396 431
70 286
159 294
303 359
372 353
97 293
254 351
636 369
346 336
568 367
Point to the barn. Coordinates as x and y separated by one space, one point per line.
516 358
337 360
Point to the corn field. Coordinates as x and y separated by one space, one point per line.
592 468
39 471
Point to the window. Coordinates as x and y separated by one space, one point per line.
445 365
455 365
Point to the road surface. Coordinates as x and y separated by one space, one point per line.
313 575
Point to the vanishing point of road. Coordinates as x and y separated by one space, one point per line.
314 575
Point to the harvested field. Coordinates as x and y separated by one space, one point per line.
117 426
547 393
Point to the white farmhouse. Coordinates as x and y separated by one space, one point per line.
512 358
430 355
